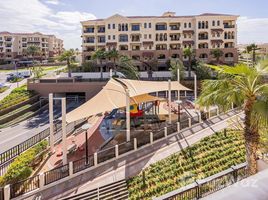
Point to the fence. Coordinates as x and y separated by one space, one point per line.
24 186
209 185
7 157
112 153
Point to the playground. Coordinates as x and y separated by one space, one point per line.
122 115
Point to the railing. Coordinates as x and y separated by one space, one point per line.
112 153
209 185
7 157
56 174
24 186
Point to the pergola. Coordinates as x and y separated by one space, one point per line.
119 93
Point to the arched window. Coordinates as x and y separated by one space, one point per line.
123 27
229 55
229 35
213 23
119 27
189 25
126 27
203 25
206 24
199 25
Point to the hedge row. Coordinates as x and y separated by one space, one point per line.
211 155
16 96
22 167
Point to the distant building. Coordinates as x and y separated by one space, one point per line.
163 37
13 46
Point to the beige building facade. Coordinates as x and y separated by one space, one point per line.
163 37
13 46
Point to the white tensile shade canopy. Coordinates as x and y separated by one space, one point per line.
113 95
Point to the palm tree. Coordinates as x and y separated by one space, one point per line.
113 54
99 55
32 51
252 49
68 56
216 53
176 64
189 53
126 67
243 86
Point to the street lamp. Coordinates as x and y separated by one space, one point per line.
85 127
178 102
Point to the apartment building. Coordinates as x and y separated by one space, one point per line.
13 46
163 37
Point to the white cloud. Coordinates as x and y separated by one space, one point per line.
252 30
54 2
16 16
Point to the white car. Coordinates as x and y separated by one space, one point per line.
5 85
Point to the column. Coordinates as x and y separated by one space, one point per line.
195 87
169 101
127 116
111 73
64 143
178 78
51 128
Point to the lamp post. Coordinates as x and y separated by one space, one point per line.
85 127
179 102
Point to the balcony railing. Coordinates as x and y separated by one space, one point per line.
229 26
203 38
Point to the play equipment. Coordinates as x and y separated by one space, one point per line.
135 110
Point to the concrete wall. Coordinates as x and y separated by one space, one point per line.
90 88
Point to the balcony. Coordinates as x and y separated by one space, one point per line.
174 27
89 41
101 29
135 27
228 26
159 27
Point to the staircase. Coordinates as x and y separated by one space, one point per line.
113 191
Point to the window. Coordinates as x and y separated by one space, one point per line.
150 25
145 25
190 25
109 26
218 23
109 37
160 27
135 27
113 26
123 38
150 36
145 36
213 23
119 27
184 35
113 37
185 25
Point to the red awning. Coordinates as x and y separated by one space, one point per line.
216 41
217 30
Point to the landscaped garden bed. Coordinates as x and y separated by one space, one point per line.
211 155
17 96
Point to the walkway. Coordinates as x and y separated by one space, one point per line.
132 163
252 188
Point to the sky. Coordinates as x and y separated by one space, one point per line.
62 17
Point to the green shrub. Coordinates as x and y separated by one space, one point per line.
211 155
21 168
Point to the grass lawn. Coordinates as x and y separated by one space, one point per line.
45 68
211 155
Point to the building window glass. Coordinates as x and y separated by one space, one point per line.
150 25
113 26
145 36
190 25
109 37
109 26
123 38
150 36
113 37
185 25
135 27
213 23
145 25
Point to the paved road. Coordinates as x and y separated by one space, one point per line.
12 136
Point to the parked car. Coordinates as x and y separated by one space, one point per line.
2 85
11 77
25 74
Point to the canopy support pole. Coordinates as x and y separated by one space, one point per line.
127 115
64 143
51 125
111 73
178 78
169 101
195 87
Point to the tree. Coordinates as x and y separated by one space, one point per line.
176 64
216 53
243 86
99 55
33 51
37 72
126 67
189 53
114 55
68 56
202 71
252 49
